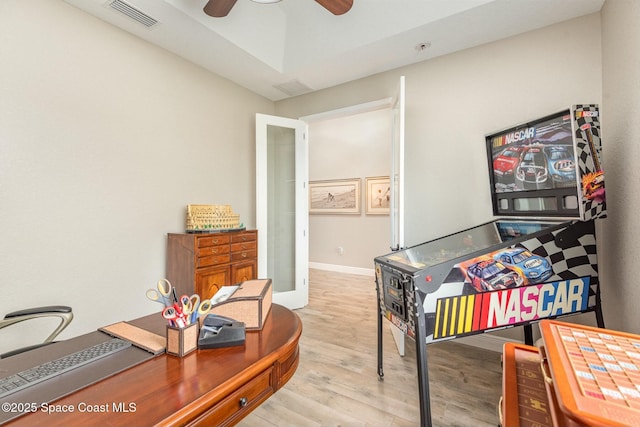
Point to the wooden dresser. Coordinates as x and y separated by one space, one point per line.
202 263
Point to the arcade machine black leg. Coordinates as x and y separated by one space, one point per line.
379 309
421 357
599 316
528 334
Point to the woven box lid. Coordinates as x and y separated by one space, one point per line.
250 303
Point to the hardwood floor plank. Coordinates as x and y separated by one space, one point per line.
337 383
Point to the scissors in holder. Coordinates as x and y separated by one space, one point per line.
163 294
195 304
186 307
174 315
203 308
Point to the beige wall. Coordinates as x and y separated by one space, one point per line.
454 101
620 240
104 139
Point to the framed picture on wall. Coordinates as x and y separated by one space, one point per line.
378 195
338 196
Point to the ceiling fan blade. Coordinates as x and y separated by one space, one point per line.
337 7
218 8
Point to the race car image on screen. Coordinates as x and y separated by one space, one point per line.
505 163
490 275
560 165
535 268
532 170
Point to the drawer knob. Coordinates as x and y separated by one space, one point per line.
243 402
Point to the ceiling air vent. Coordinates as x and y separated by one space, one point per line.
133 13
293 88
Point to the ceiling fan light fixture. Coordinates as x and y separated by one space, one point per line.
221 8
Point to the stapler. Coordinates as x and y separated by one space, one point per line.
218 331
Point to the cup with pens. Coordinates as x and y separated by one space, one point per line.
183 314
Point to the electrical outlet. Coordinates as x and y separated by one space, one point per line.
340 250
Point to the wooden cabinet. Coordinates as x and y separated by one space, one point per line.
202 263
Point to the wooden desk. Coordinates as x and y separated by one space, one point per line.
207 387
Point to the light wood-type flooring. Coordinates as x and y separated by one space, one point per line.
337 384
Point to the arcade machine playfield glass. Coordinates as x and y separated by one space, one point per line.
538 260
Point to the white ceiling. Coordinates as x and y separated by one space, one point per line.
300 45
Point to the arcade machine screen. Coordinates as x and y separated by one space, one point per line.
534 167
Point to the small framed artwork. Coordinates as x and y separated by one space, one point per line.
378 195
338 196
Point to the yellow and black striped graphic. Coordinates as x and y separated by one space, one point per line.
454 316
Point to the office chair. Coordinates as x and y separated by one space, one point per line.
63 312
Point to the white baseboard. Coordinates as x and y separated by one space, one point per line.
342 269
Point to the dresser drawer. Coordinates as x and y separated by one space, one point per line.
244 246
247 236
238 404
217 239
244 255
213 250
208 261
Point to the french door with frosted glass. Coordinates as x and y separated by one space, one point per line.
282 214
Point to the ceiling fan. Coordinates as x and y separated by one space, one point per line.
220 8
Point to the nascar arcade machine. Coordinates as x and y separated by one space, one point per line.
538 261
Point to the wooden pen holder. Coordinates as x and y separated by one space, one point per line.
182 341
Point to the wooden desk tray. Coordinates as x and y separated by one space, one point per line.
153 343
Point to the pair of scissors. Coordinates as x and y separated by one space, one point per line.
174 315
187 308
203 308
198 308
163 294
195 304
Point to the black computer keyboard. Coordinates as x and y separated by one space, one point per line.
32 376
